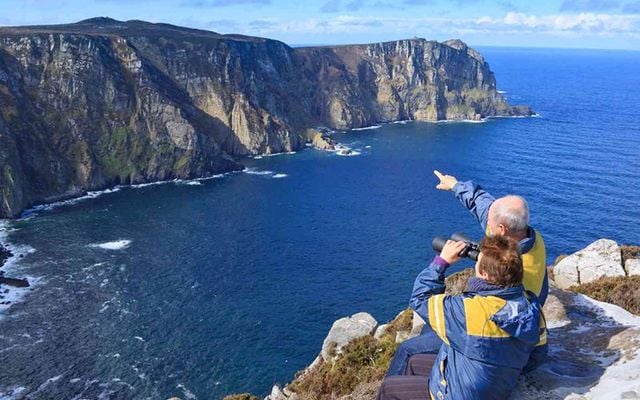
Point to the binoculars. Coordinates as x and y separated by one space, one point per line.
471 249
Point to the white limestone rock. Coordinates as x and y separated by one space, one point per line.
380 331
345 330
632 266
600 258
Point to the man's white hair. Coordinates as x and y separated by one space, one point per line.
514 217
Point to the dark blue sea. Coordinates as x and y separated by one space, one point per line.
201 289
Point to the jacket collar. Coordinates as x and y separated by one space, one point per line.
527 243
481 287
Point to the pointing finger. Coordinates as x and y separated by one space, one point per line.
438 174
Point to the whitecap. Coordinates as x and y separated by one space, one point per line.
114 245
351 153
276 176
459 121
254 171
75 200
345 151
367 128
190 183
139 338
187 393
12 269
279 154
257 157
402 121
501 91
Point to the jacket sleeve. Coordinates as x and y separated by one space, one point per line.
445 314
475 199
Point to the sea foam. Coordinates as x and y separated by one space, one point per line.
12 269
114 245
255 171
365 128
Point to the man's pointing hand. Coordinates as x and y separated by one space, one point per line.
447 182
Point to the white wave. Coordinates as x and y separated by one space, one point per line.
255 171
187 393
97 193
114 245
367 147
279 154
345 151
257 157
138 338
351 153
536 115
367 128
459 121
12 269
276 176
193 182
75 200
402 121
501 91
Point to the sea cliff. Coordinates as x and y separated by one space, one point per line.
101 102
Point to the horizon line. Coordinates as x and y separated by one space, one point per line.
321 44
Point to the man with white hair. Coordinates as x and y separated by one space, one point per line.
507 216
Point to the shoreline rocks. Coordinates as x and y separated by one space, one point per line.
5 254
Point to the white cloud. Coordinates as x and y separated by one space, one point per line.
512 22
590 23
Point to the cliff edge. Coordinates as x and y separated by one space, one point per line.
594 346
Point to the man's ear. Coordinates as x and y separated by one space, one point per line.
503 229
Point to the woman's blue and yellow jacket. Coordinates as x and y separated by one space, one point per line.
488 333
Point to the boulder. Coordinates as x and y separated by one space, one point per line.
380 331
600 258
15 282
632 266
345 330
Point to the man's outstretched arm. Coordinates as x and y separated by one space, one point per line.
472 196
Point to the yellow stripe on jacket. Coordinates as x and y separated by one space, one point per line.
436 316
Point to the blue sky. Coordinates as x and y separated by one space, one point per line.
607 24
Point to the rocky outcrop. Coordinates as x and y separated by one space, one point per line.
344 331
594 352
601 258
102 102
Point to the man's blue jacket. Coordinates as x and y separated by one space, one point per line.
488 333
477 200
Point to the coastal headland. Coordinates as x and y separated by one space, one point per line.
98 103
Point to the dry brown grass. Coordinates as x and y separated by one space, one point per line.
629 252
241 396
456 283
361 365
621 291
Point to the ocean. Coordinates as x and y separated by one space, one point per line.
204 288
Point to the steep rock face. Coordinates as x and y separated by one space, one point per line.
415 79
101 102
